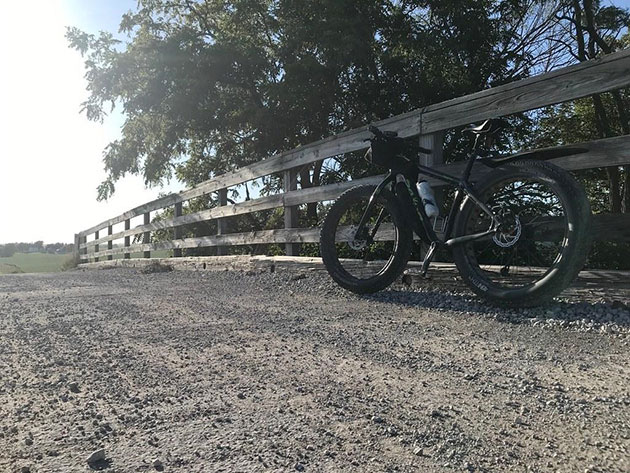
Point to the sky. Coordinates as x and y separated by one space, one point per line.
50 154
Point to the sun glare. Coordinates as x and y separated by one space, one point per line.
50 155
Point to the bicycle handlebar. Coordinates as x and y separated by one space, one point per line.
375 131
379 134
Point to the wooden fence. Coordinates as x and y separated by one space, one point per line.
601 75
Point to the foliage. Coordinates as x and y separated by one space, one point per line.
8 250
208 86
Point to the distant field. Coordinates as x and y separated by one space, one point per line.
32 263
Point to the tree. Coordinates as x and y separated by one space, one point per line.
590 30
8 250
207 86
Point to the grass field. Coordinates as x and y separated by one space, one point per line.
33 263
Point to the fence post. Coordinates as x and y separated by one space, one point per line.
127 255
222 222
146 238
96 246
177 231
76 253
434 142
110 243
85 250
289 183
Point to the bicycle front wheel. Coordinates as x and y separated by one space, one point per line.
354 262
542 244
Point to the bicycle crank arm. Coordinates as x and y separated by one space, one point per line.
469 238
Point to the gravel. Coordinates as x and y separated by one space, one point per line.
259 371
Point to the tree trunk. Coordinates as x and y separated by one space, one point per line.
601 118
615 189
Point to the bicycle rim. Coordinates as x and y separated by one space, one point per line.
359 258
532 239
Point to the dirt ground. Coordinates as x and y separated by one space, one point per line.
247 371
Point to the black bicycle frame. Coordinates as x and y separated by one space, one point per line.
464 189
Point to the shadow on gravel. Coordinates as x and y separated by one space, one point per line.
100 465
586 314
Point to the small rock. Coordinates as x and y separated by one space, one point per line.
25 469
158 465
299 467
377 420
28 441
73 387
392 431
96 456
299 276
418 451
240 396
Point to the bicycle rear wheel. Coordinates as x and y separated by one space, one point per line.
543 243
354 262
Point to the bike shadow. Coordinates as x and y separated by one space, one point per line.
580 314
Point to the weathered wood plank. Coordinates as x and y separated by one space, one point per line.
96 246
434 142
612 227
84 250
76 250
110 243
177 231
289 184
596 76
146 237
296 235
221 222
126 253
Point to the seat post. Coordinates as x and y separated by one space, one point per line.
472 157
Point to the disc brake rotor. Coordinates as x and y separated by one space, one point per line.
508 239
356 244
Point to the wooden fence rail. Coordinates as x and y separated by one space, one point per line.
601 75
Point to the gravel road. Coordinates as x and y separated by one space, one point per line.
282 371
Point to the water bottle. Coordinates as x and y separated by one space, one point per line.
428 198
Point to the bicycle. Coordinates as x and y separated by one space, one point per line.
519 234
